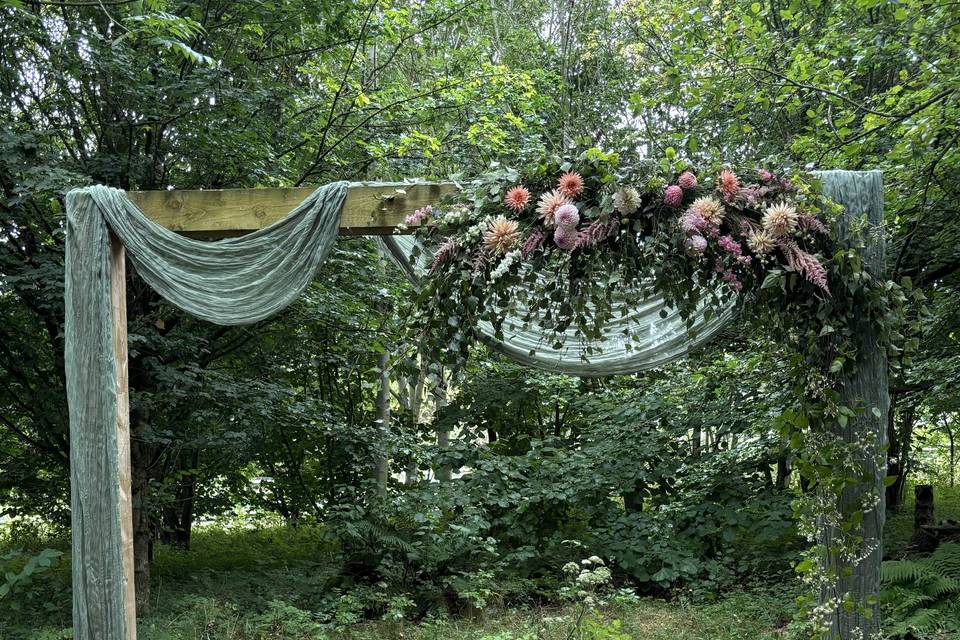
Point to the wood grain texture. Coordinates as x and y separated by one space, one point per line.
373 208
118 308
861 194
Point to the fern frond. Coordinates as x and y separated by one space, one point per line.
905 572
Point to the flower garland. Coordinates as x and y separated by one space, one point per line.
567 233
590 220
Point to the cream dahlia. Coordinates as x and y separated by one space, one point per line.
549 203
709 208
626 200
780 219
501 234
760 242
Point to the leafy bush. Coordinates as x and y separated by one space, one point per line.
922 597
19 572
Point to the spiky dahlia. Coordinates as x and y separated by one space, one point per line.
626 200
566 238
760 242
709 208
501 235
549 203
673 196
780 219
729 184
687 180
570 184
517 198
567 216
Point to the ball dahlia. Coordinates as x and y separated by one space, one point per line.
517 198
567 216
729 184
566 238
501 234
549 203
570 184
673 196
626 200
780 219
695 245
687 180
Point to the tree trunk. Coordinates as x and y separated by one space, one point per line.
899 455
383 423
443 433
861 195
140 457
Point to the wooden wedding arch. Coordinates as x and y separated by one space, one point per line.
102 613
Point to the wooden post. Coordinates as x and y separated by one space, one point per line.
861 194
118 307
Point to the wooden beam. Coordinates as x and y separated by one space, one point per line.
371 208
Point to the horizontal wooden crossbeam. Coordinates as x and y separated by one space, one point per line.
371 208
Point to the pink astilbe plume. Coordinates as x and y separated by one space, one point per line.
480 261
532 243
806 264
594 233
443 253
811 223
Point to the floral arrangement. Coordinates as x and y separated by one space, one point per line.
567 238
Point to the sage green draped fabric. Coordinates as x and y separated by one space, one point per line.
229 282
638 338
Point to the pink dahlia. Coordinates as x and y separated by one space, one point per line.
566 238
673 196
571 184
728 184
687 180
517 198
764 175
567 216
549 203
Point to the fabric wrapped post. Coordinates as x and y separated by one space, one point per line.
229 282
